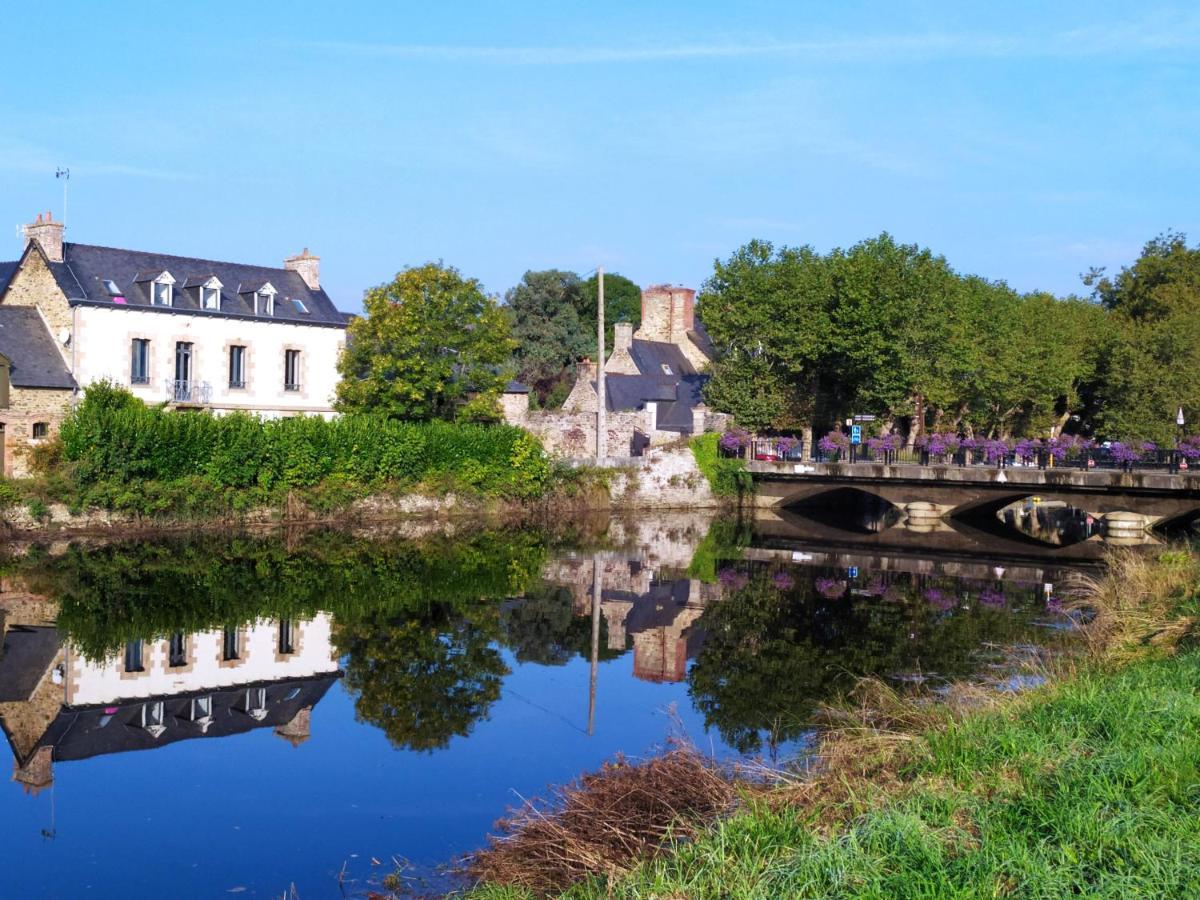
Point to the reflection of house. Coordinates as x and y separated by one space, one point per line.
56 706
656 613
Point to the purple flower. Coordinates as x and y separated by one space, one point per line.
734 440
883 443
833 441
877 588
786 445
733 579
1123 453
1026 450
1054 605
830 588
783 581
993 598
939 598
995 450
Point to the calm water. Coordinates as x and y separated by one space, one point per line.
207 717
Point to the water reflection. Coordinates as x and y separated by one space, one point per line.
470 667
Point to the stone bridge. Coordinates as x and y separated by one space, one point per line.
1127 503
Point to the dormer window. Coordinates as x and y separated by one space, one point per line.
264 300
163 290
210 294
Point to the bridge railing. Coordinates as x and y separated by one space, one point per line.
1105 458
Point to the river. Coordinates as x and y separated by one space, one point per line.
213 715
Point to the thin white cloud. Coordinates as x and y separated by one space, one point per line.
1115 39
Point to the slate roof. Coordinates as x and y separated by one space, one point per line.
85 732
7 269
676 394
85 268
515 387
27 654
36 362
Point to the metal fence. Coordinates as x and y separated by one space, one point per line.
792 450
199 392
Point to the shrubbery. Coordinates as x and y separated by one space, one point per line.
727 477
111 438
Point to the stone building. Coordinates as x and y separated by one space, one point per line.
193 333
653 384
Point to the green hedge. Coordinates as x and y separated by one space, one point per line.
111 436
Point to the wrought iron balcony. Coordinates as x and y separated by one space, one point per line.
198 393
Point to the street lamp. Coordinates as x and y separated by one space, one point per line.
1181 461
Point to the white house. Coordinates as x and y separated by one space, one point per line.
191 332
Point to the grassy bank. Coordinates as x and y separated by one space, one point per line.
1088 785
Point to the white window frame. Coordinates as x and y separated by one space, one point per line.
166 281
211 289
266 294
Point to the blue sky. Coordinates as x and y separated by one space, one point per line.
1025 141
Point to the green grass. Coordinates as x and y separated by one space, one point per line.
727 477
1092 788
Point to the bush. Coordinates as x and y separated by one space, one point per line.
112 437
727 477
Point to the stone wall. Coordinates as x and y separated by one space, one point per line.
28 406
515 408
573 434
34 285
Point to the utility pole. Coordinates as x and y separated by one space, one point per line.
601 425
597 594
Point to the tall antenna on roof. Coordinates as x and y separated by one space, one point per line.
65 174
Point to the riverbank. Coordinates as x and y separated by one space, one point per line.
55 504
1088 784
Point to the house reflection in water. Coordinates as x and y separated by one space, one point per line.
56 706
643 605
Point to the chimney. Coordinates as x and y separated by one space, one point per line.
299 730
622 336
38 771
668 313
307 266
48 234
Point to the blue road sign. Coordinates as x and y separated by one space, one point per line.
856 434
852 571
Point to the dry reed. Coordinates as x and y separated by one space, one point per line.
606 821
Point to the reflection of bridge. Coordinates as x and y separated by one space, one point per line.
958 551
1126 502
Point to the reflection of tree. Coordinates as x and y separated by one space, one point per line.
771 656
543 628
422 678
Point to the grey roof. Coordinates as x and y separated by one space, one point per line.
36 362
515 387
7 269
86 732
26 655
85 268
676 394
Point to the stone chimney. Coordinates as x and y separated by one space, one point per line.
622 336
38 772
48 234
307 267
668 313
299 730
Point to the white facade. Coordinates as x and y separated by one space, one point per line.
206 667
102 347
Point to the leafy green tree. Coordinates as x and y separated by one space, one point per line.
1149 369
622 303
428 338
550 336
422 677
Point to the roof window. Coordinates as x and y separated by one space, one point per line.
667 369
111 287
300 307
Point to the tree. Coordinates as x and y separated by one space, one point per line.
428 338
550 336
1154 351
622 303
422 677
